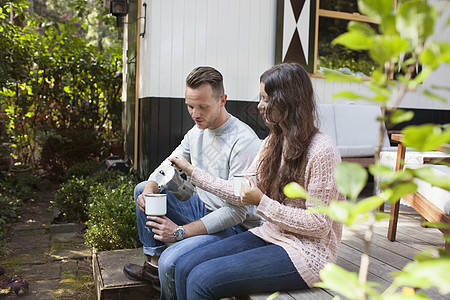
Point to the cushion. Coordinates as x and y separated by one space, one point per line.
357 125
436 195
326 120
356 151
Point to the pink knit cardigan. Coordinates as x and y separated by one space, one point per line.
310 239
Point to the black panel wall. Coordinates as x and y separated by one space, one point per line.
164 121
423 116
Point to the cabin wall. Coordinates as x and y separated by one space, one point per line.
239 38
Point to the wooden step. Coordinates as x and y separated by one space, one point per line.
110 281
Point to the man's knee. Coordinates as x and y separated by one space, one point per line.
139 189
167 260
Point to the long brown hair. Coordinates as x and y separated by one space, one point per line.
291 96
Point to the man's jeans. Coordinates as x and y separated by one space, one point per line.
239 265
181 213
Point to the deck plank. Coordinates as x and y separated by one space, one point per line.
386 256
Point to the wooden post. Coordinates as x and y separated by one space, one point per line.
400 162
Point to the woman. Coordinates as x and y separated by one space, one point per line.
292 246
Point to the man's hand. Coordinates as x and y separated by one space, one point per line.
163 228
150 188
181 163
250 194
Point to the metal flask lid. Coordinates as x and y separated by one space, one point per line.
171 179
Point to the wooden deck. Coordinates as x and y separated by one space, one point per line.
386 256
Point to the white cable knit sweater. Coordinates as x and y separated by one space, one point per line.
311 240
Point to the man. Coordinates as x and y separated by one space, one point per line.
218 143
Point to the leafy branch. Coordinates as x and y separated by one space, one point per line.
406 32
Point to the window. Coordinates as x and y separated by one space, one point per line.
333 17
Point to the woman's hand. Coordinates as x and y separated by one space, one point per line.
181 163
250 194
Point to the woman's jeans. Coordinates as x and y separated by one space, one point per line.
181 213
239 265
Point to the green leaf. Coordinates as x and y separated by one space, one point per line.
363 28
354 40
426 274
427 174
367 205
415 20
343 282
333 75
378 77
379 216
295 190
400 115
380 170
382 94
427 137
395 192
273 296
349 95
447 237
388 49
378 10
350 179
436 225
388 25
339 211
432 95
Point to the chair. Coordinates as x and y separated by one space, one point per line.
432 203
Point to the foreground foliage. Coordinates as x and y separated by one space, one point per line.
112 217
104 200
56 89
405 31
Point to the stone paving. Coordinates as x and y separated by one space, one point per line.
51 257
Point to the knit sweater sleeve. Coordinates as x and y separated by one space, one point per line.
217 186
320 185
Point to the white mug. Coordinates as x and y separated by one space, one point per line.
155 204
238 179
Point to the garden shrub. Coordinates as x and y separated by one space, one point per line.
60 152
82 169
72 199
73 196
112 218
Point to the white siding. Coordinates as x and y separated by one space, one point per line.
237 37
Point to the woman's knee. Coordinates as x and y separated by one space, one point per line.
198 284
183 267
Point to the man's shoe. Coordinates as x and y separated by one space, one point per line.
146 272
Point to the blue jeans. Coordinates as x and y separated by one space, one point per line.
239 265
181 213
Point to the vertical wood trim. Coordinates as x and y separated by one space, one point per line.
316 36
279 32
136 104
311 66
